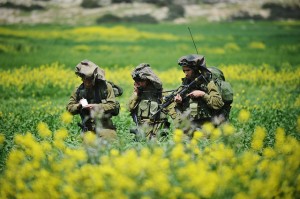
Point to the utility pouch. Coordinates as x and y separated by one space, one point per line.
153 107
194 109
147 108
144 109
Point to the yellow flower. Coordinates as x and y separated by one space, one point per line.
59 144
45 146
279 138
298 124
241 195
269 152
178 152
66 117
197 135
114 152
257 45
178 135
216 133
89 138
61 134
228 129
208 128
2 139
190 196
244 116
258 137
44 130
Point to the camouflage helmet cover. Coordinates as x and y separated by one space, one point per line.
144 72
88 69
192 61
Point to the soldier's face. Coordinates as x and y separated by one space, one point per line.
142 83
187 71
88 83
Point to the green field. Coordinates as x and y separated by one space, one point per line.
260 60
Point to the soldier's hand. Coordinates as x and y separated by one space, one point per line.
135 87
89 106
178 98
196 94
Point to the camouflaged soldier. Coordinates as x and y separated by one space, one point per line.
94 100
203 100
146 100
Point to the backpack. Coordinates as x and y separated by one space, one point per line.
100 85
224 88
118 91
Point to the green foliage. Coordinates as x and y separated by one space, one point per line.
277 44
109 18
175 11
90 3
279 38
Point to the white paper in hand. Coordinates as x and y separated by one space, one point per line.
83 102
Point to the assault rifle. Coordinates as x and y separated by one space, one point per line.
170 98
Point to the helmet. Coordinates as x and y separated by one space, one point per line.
144 72
88 69
193 61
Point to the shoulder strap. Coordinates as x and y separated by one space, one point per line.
78 89
100 91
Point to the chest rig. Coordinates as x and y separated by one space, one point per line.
149 102
197 107
97 94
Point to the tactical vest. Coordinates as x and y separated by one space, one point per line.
199 110
98 94
149 103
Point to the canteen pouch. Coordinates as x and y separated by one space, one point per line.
144 109
194 109
153 107
147 108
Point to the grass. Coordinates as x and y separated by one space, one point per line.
259 59
280 39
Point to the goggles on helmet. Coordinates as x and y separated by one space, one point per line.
192 61
185 62
136 77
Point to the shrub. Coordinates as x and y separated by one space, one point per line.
90 4
108 18
175 11
146 18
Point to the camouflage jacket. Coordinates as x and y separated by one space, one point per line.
107 104
204 107
152 94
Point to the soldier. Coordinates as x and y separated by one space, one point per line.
203 100
94 100
145 102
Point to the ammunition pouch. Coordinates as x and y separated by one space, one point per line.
194 109
199 110
147 108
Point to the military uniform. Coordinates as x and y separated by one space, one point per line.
101 94
147 102
199 109
203 109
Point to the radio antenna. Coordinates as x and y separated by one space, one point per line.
193 40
